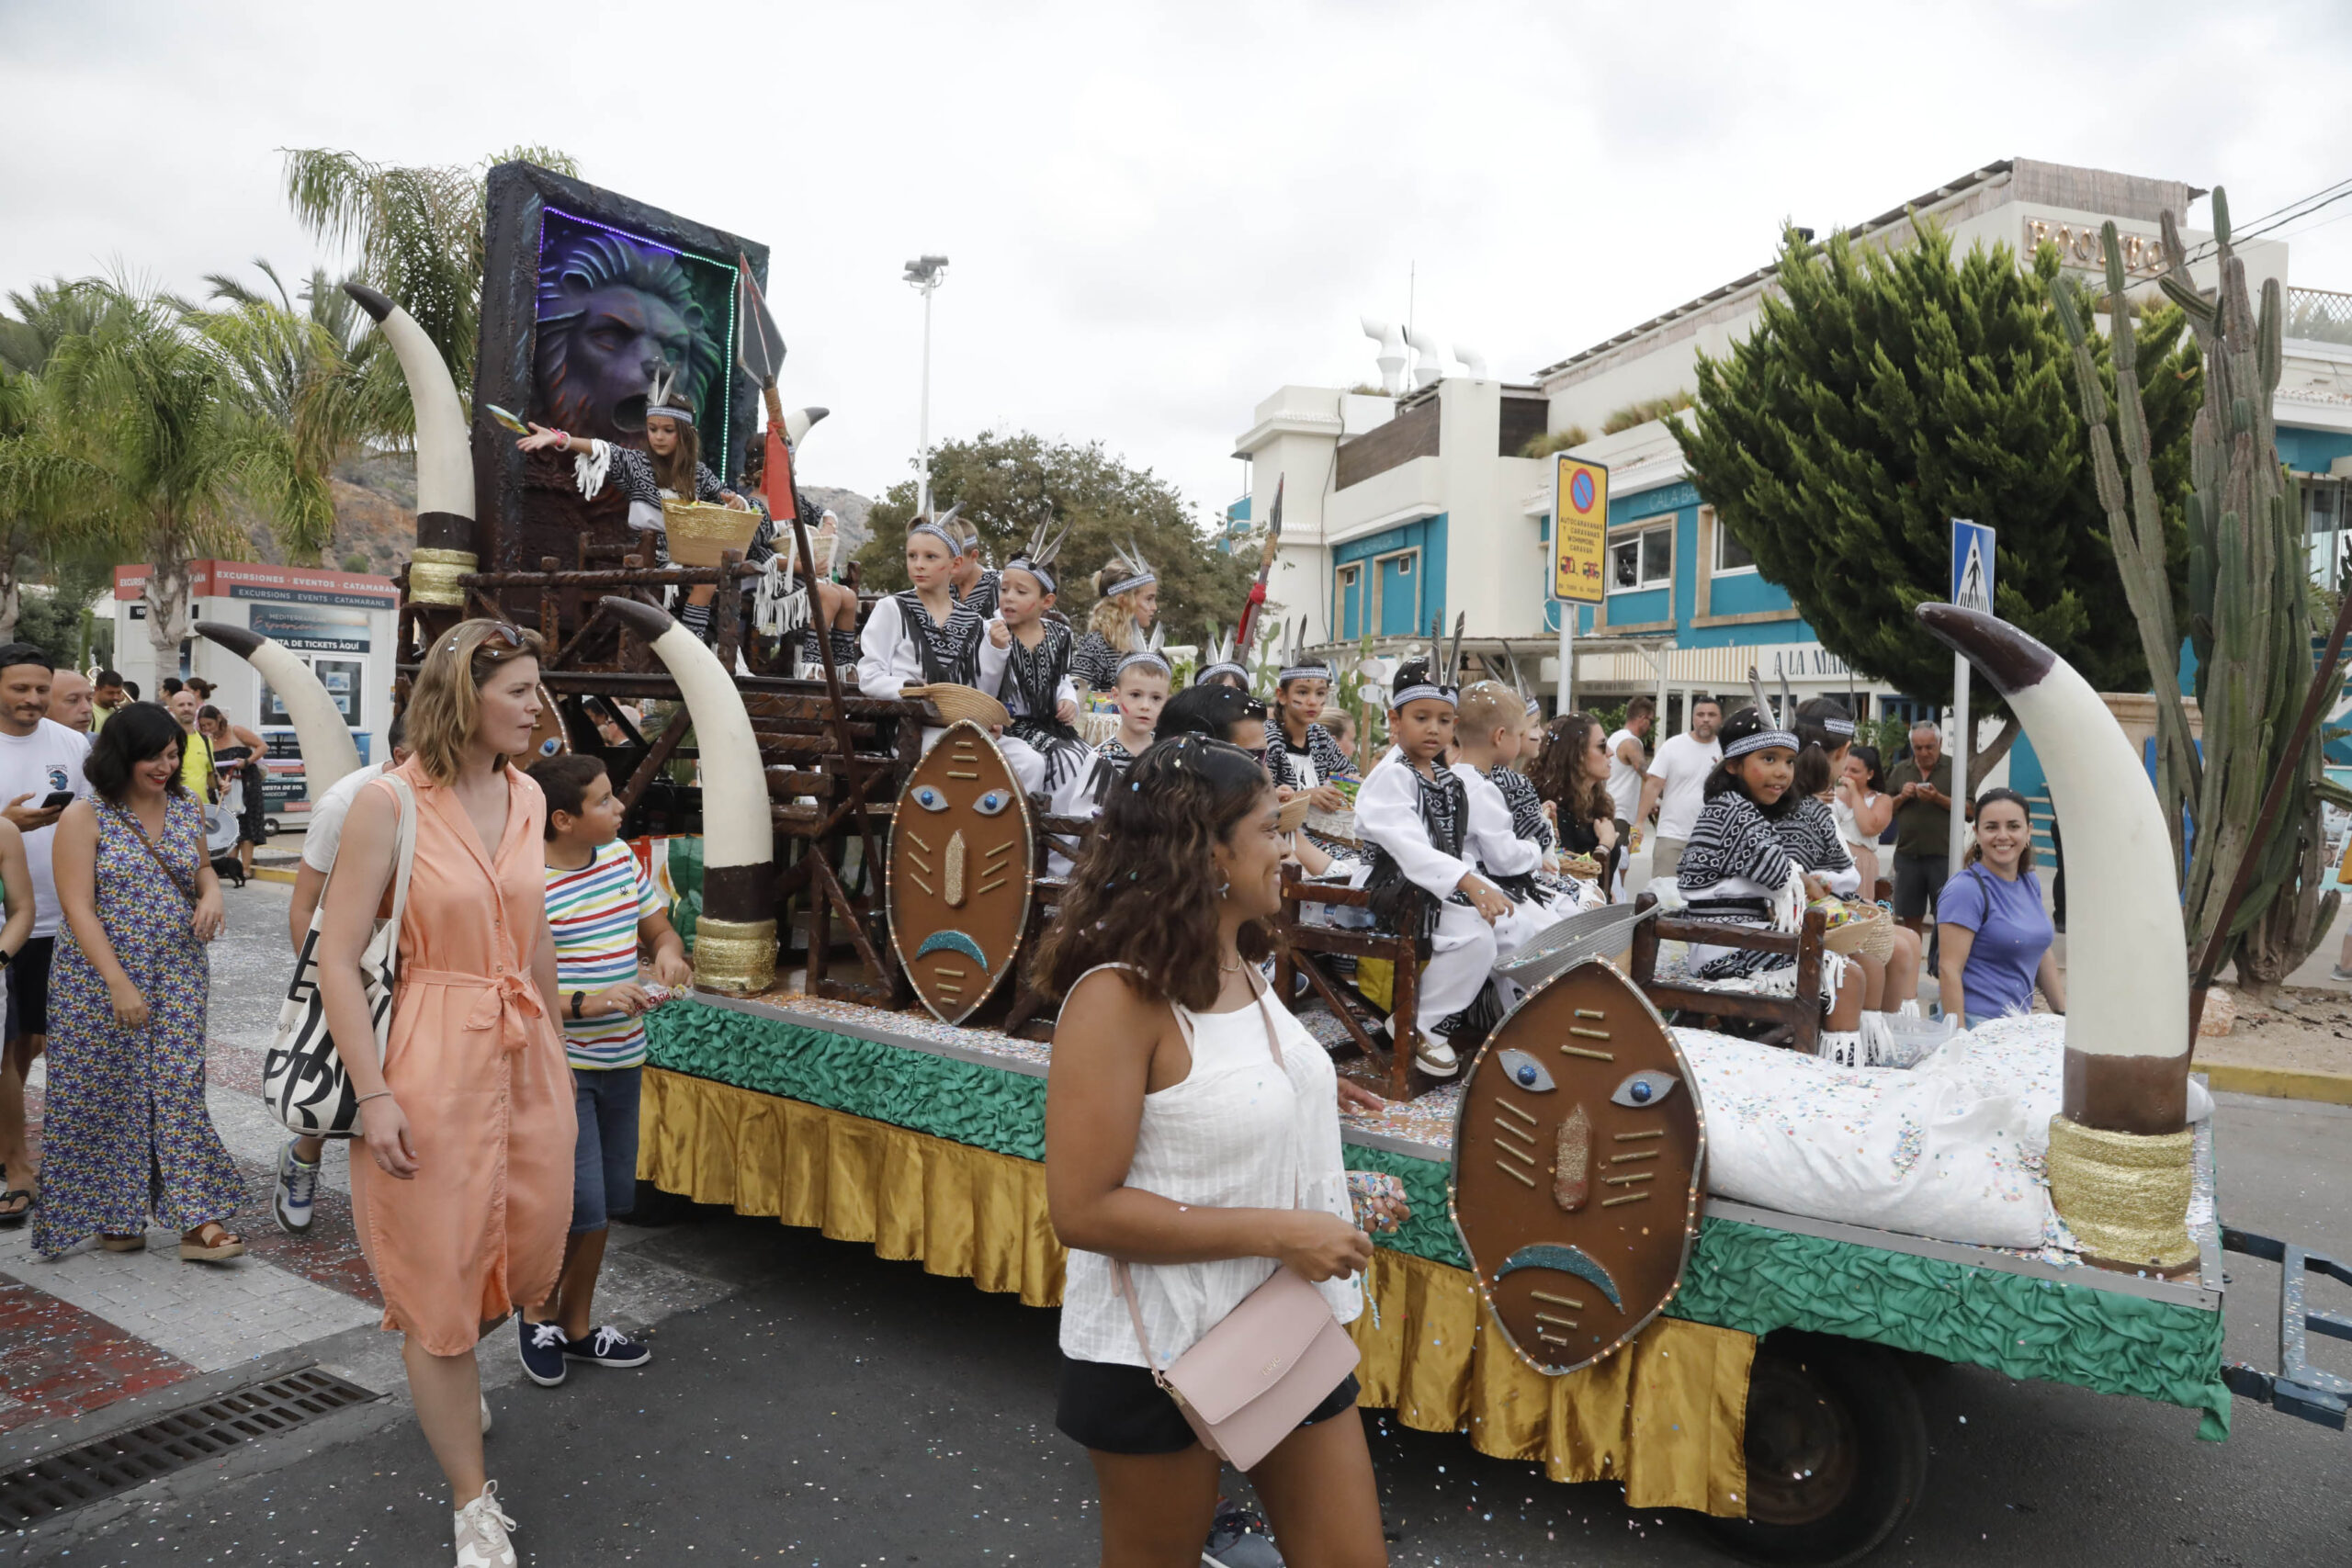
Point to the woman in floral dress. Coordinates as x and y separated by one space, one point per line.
126 1133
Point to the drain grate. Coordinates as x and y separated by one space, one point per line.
72 1478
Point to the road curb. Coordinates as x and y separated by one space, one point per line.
2278 1083
272 874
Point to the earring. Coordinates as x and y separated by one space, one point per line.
1224 887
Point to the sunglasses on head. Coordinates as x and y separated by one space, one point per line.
485 649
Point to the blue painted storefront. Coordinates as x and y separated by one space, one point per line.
1398 572
1744 592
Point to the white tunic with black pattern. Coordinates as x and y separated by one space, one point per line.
1734 871
1813 839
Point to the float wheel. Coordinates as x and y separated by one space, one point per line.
1837 1453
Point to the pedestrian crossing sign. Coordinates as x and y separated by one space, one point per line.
1971 565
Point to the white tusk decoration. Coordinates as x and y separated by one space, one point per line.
445 465
328 751
736 825
2127 955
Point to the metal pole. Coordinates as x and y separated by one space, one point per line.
1963 745
922 427
1567 686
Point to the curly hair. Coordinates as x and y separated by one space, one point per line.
1114 615
137 732
1144 889
1559 771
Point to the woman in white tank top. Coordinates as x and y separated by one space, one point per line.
1177 1144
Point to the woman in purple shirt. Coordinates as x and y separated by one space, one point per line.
1995 935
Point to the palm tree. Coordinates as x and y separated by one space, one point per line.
51 313
417 232
316 372
155 406
49 489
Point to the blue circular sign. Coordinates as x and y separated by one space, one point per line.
1580 490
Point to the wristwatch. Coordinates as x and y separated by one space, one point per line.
576 997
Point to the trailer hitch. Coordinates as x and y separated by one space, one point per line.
2297 1388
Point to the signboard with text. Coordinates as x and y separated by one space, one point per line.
1580 530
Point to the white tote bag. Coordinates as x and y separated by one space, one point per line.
302 1078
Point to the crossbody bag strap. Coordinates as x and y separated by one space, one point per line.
139 832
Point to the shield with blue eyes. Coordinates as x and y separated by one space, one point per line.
959 872
1577 1150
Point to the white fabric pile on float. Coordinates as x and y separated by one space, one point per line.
1951 1149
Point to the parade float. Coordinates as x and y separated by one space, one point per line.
1673 1260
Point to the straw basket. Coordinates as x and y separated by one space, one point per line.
956 703
1867 931
699 530
1293 814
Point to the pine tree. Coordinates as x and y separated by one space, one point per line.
1882 394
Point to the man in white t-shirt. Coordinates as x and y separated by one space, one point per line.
298 1163
40 761
1629 757
1675 784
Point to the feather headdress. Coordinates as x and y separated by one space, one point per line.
1045 547
667 397
1219 660
1134 570
1297 665
943 528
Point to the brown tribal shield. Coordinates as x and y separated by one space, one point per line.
960 846
1576 1158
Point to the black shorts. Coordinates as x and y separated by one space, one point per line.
29 988
1918 882
1119 1409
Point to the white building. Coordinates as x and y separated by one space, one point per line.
1404 509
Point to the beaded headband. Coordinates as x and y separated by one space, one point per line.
1838 726
1303 672
1144 657
1208 673
1759 741
1414 694
1044 578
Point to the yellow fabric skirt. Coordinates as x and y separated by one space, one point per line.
1666 1417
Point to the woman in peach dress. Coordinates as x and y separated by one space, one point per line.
461 1192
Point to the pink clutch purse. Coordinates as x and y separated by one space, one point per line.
1248 1381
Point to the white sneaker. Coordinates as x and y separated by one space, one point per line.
482 1532
485 1416
297 1189
1435 1057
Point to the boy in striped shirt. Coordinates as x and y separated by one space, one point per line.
600 908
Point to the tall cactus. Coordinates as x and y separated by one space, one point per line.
2250 608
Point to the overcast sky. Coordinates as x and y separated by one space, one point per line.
1157 214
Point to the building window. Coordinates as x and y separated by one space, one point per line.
1731 556
1643 559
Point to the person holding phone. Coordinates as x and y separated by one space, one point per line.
41 773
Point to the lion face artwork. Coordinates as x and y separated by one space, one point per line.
1576 1158
611 313
959 872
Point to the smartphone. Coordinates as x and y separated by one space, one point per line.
57 801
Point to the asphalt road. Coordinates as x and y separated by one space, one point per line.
838 1409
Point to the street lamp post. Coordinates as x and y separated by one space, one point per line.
925 273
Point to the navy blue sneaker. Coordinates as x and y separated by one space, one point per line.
608 1347
1238 1538
543 1344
